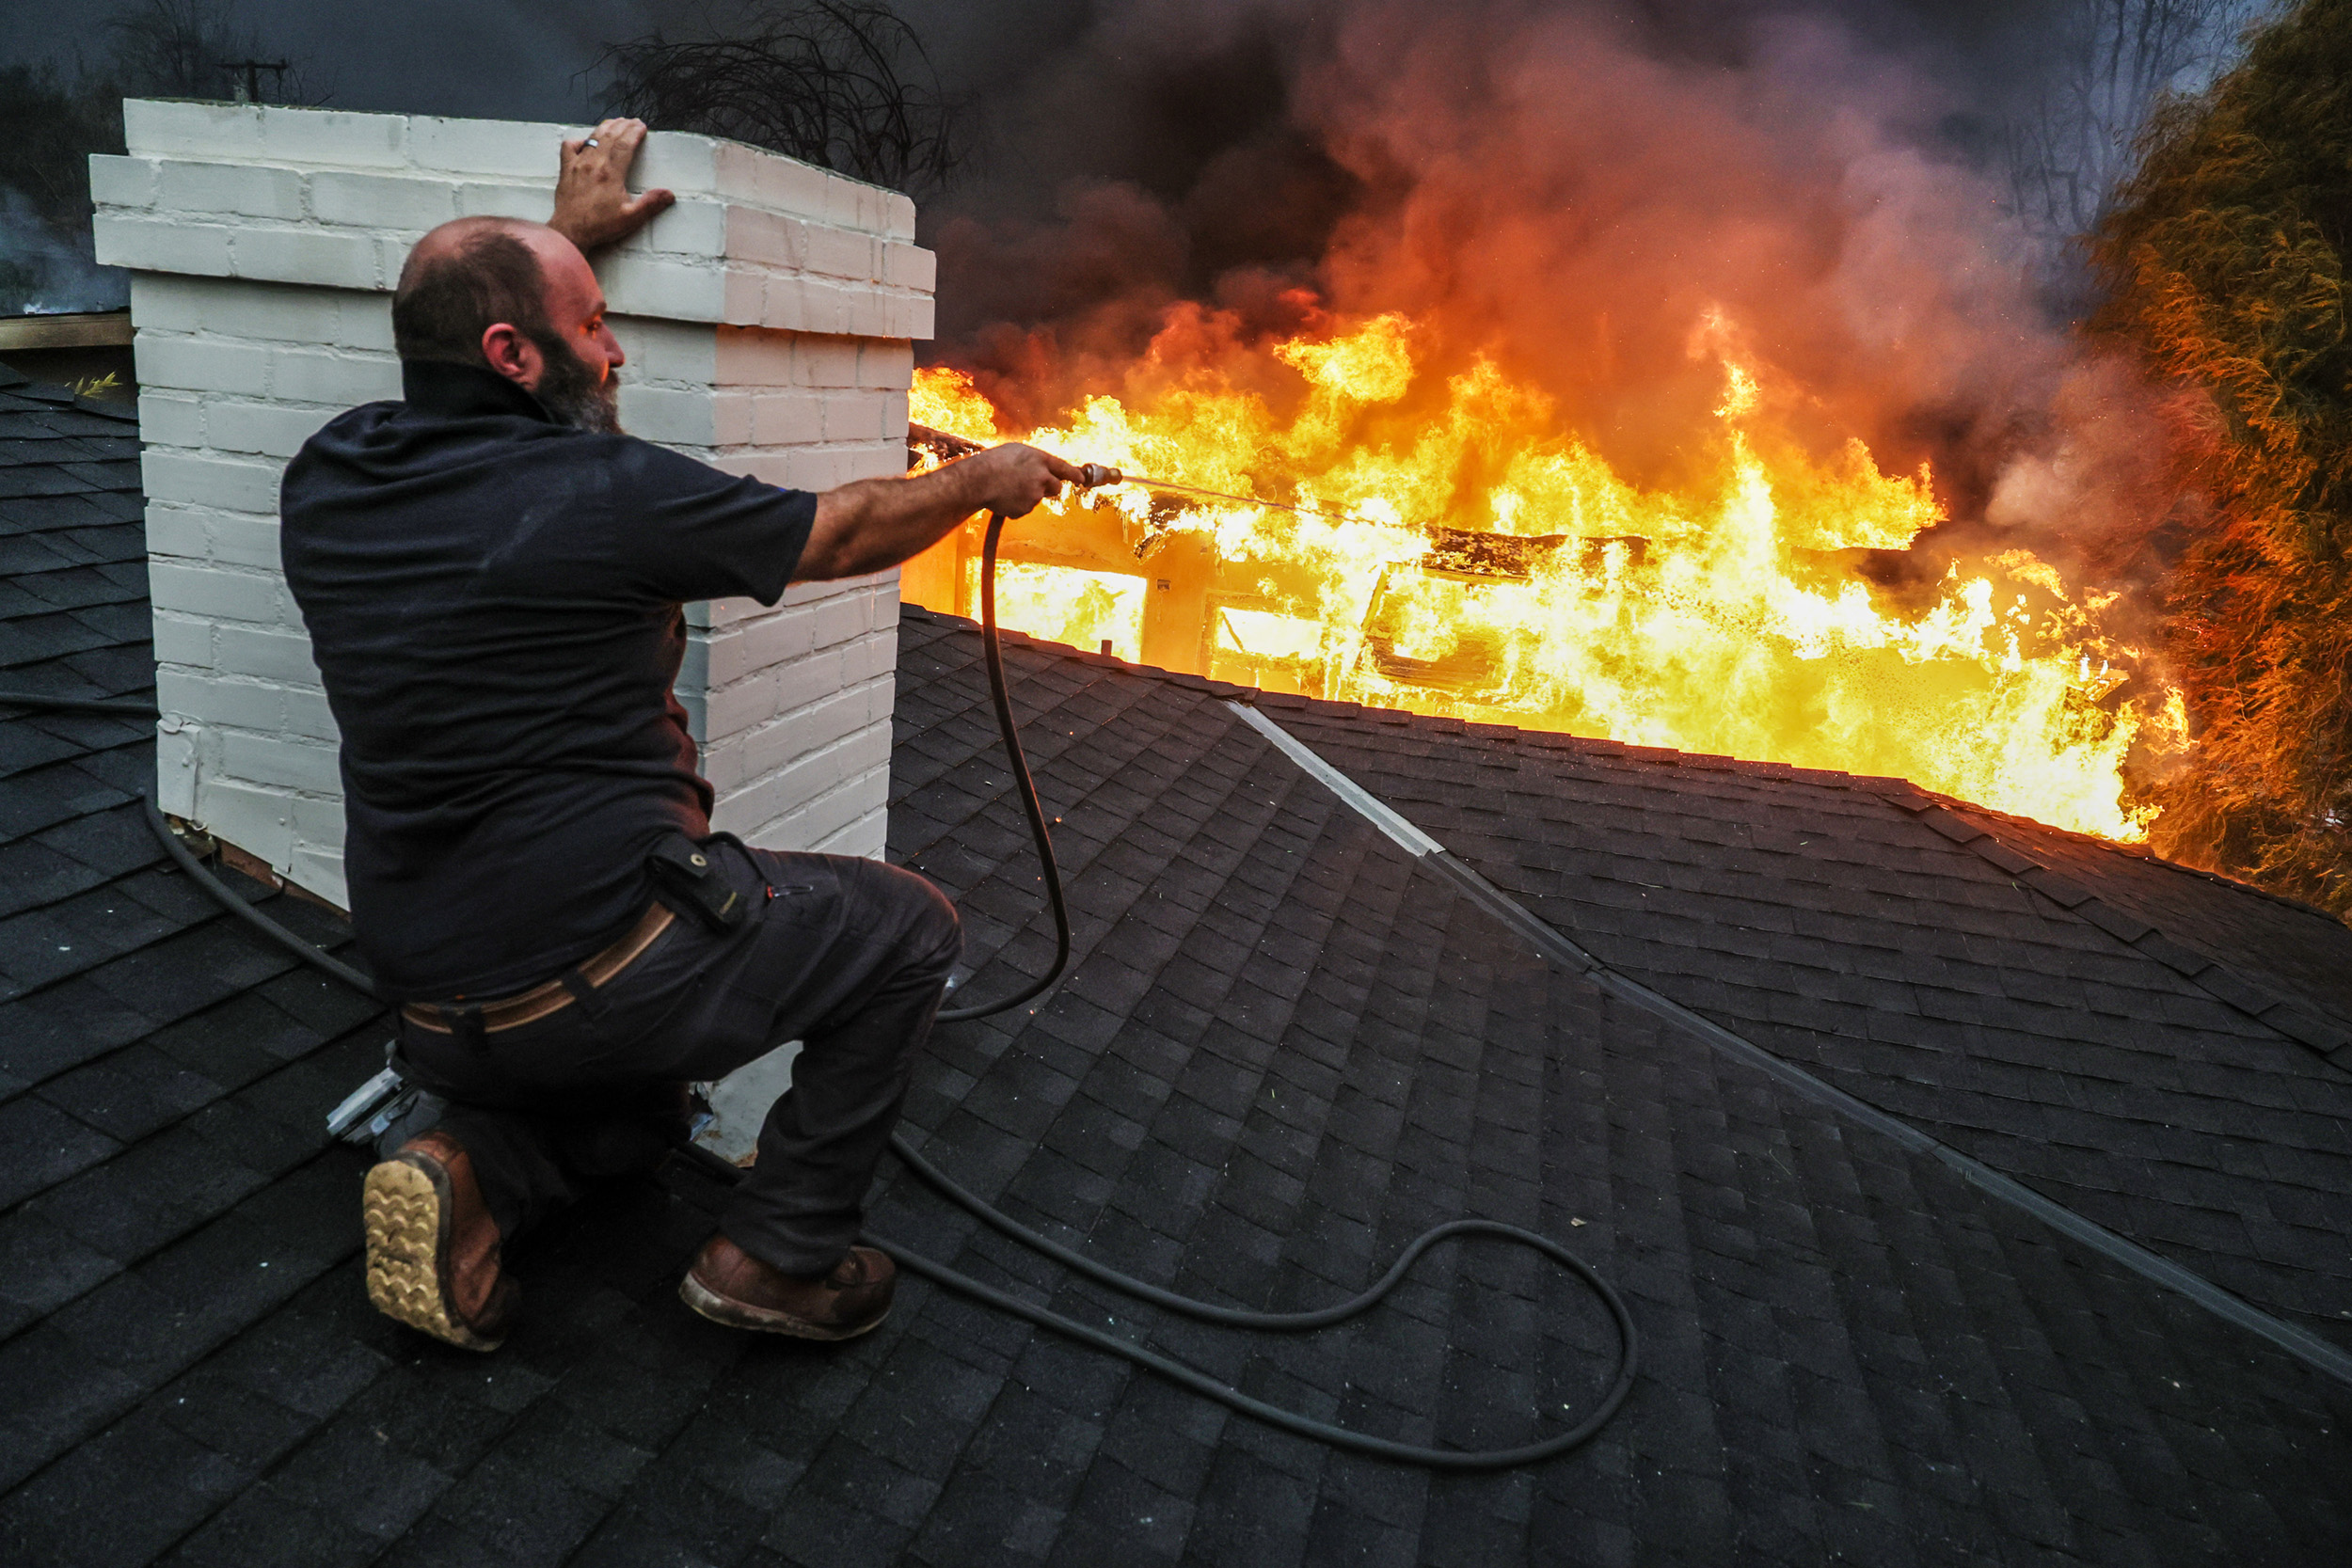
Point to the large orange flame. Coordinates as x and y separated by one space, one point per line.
1719 616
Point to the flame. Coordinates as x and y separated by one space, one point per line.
1716 617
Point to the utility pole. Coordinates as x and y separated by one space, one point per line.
248 90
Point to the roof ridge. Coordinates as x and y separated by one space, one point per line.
2325 1033
2140 852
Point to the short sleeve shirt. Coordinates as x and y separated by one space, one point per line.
494 601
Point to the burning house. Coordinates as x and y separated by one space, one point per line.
1731 613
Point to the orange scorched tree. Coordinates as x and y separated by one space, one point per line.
2223 258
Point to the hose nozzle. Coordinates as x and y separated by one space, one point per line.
1093 476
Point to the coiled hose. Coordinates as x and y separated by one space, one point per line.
1326 1432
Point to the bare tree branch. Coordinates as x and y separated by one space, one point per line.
200 49
2114 60
841 83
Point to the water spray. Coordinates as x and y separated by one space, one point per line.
1095 476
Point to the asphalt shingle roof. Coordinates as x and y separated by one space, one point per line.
1908 951
1285 1047
73 551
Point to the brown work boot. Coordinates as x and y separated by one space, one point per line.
432 1248
729 1286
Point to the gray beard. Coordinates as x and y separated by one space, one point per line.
572 396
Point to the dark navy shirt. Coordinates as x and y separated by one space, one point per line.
493 599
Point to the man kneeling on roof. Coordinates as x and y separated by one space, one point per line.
492 576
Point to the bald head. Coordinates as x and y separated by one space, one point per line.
465 277
455 237
511 296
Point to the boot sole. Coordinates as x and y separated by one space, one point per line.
406 1212
765 1320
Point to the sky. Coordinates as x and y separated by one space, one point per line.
534 58
1052 86
516 59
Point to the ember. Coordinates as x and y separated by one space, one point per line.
1722 615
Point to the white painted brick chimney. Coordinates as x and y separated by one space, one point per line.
767 319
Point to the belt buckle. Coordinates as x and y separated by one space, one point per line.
464 1022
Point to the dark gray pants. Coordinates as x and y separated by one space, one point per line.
847 956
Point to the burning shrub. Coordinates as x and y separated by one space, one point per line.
2225 259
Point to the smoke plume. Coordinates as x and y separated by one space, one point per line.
42 271
1603 209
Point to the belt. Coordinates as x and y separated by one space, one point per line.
529 1006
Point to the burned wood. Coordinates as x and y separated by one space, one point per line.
938 445
1473 555
1462 552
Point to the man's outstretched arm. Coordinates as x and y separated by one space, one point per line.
593 207
877 523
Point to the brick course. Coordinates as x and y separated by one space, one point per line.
767 320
